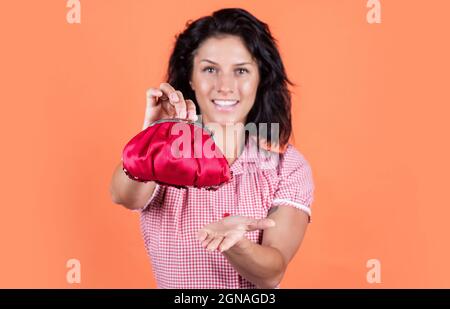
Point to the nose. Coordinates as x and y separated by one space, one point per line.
225 84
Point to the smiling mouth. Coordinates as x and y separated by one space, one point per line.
225 104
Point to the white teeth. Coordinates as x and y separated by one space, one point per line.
225 102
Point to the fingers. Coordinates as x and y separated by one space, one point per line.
260 224
152 101
175 98
180 105
205 236
209 240
168 91
214 243
191 111
152 94
201 235
229 242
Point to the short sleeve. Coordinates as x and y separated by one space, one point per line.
296 185
156 199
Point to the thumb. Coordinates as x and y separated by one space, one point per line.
260 224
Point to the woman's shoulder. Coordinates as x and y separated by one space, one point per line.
290 160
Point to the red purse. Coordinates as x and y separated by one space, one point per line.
176 152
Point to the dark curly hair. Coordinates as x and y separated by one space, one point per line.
273 99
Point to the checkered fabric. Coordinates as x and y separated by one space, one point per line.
172 217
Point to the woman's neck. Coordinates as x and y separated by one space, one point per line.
230 140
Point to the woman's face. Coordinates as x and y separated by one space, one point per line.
225 80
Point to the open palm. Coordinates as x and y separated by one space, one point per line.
225 233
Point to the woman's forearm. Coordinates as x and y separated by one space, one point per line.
262 265
129 193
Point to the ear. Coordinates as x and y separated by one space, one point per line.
192 87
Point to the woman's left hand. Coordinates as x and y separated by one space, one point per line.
225 233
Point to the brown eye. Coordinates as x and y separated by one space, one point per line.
242 71
209 69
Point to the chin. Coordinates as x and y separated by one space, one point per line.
225 120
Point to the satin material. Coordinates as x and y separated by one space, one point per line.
148 156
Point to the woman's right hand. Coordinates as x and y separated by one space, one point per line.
166 102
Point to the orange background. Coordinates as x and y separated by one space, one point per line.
370 114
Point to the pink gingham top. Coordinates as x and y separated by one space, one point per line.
172 217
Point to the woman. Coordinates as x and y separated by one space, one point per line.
244 234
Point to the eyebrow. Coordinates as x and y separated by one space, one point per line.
236 64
